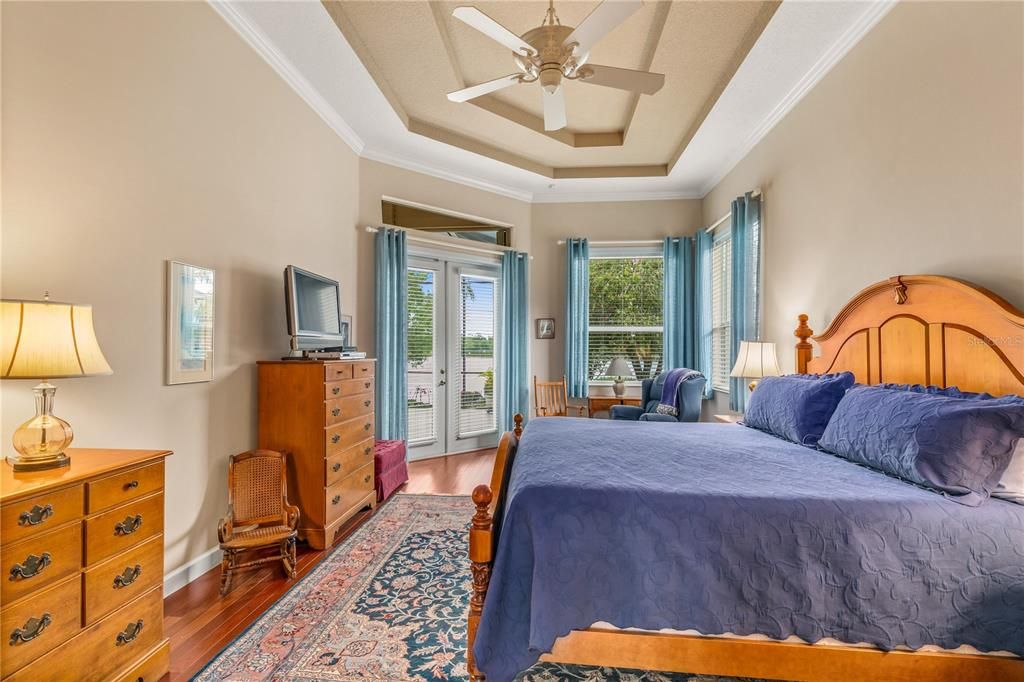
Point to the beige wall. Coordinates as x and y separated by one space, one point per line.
906 158
377 180
134 133
596 221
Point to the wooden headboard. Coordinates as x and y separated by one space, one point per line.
922 329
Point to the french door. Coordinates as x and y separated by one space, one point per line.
452 356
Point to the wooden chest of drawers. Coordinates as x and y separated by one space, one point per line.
322 415
82 549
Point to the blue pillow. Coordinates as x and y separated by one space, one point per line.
796 407
957 443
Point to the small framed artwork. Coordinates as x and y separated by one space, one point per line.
346 330
545 327
189 323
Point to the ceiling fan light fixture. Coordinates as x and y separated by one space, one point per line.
550 79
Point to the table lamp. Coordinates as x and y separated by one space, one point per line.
46 340
755 360
619 369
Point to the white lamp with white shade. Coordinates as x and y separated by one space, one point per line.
620 369
756 360
46 340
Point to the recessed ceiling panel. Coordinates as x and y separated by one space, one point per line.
417 52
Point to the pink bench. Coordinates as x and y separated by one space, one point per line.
389 467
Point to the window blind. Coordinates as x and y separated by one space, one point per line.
421 366
625 315
721 305
475 357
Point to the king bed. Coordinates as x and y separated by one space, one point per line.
726 550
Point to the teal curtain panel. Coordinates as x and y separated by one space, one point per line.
577 314
513 384
746 271
679 307
391 264
702 316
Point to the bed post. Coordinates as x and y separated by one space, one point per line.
481 537
803 347
480 562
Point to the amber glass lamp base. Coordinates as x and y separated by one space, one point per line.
41 441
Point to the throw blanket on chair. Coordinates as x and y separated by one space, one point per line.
669 403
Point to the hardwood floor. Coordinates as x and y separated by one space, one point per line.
200 622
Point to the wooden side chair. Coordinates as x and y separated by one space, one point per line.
551 399
259 515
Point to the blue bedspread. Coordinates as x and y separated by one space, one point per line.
723 528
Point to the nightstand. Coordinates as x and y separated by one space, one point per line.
728 418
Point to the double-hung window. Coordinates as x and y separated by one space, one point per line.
625 311
721 306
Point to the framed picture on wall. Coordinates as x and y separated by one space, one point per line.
545 327
189 323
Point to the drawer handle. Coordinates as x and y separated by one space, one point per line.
366 426
366 384
336 467
130 632
336 390
129 525
335 438
129 576
367 477
366 403
35 516
367 450
336 411
131 484
32 566
336 500
32 628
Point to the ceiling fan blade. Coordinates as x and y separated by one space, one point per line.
492 29
554 109
644 82
600 23
474 91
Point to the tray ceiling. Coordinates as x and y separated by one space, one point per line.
417 52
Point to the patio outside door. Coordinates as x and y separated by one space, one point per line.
452 357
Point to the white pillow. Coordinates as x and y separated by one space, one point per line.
1011 485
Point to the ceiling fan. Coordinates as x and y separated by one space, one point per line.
551 52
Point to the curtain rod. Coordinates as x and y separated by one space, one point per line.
438 242
718 223
621 242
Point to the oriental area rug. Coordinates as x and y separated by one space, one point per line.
388 604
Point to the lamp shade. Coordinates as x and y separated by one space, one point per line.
45 340
620 367
755 360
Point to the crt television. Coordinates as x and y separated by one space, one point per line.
313 305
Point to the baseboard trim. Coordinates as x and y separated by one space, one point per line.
183 575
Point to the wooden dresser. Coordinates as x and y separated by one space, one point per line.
321 414
83 566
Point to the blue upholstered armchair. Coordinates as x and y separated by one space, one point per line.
691 393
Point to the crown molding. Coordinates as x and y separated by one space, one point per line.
437 172
819 70
259 42
598 197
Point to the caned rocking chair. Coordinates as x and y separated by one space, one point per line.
259 515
